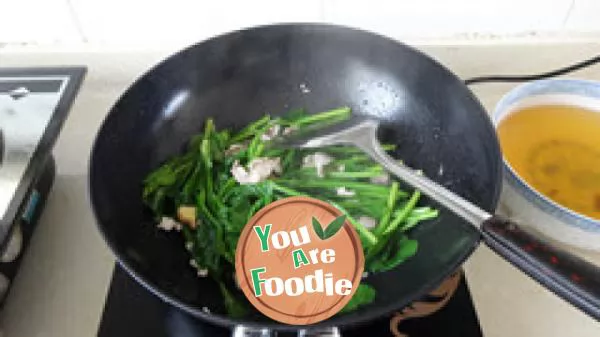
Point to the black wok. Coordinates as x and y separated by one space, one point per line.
438 124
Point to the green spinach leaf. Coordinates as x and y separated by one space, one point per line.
364 294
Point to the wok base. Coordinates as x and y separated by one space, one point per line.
132 311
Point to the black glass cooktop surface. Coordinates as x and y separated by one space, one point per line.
132 311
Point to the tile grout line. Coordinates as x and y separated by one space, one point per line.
76 21
567 16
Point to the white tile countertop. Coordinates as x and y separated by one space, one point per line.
61 287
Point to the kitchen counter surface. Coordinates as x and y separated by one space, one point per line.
61 287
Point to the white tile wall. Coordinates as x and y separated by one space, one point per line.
584 16
42 21
434 18
175 21
132 22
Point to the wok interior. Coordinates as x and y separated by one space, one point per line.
236 78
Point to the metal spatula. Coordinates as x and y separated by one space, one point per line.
362 133
568 276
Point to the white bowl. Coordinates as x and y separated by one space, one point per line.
519 199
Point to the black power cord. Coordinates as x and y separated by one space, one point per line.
525 78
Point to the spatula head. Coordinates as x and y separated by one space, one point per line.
341 133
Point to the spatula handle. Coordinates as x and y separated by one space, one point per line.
570 277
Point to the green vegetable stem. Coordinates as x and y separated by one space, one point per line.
202 178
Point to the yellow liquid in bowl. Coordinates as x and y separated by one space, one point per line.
556 150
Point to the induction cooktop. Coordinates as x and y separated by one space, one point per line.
34 103
132 311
